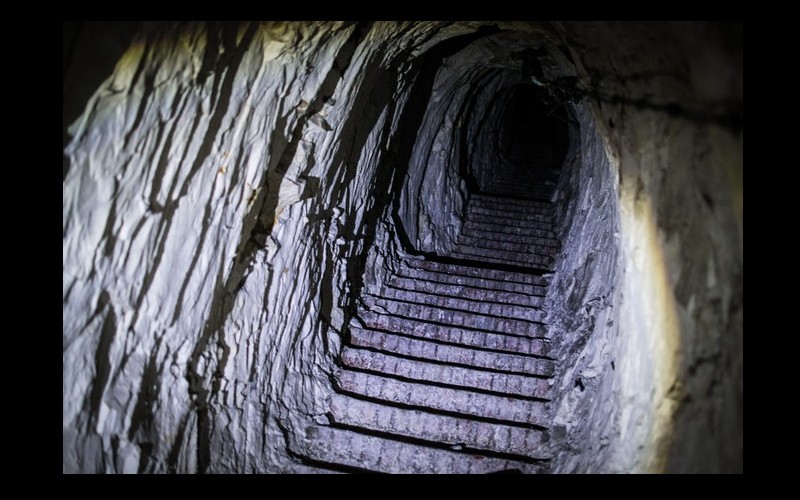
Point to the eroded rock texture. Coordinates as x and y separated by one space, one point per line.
233 192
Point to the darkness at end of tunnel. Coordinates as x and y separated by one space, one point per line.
530 140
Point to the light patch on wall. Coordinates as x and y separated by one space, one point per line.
649 336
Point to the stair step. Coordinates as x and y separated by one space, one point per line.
375 453
466 292
469 281
463 402
484 199
487 239
519 258
537 181
452 354
502 186
532 183
520 193
509 246
472 306
510 183
522 180
492 234
507 258
454 335
491 228
477 272
454 431
512 326
427 372
501 215
522 224
508 212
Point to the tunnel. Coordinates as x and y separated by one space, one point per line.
402 247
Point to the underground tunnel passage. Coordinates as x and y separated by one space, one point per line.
421 247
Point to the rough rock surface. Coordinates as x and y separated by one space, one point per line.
231 189
658 385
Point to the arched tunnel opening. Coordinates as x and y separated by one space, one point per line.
402 247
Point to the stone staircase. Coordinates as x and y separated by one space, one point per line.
448 371
508 231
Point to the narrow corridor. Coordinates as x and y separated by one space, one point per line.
298 247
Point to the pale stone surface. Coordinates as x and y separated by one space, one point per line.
209 215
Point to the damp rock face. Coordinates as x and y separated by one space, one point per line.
234 193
